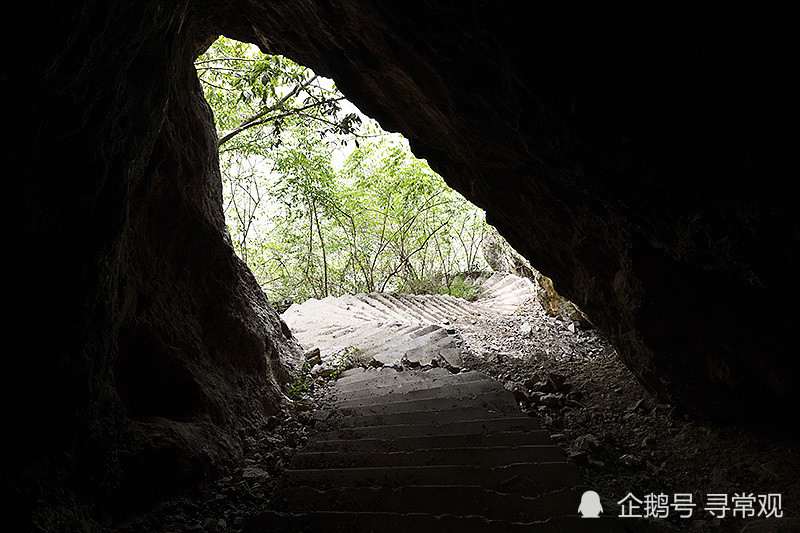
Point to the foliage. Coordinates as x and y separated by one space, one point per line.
318 203
303 385
306 383
460 287
257 96
344 359
383 222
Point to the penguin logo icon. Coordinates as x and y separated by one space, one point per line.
590 505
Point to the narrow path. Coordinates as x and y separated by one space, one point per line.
428 451
433 449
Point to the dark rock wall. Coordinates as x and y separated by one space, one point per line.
639 158
147 350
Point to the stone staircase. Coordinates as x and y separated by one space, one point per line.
392 327
427 451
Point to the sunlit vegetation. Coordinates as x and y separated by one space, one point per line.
318 199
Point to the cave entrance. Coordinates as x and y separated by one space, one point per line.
319 200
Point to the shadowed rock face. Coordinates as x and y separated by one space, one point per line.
148 350
639 159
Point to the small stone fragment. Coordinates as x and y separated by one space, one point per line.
551 400
578 457
541 386
535 396
638 406
518 391
630 460
586 442
594 462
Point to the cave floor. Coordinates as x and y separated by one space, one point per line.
620 439
427 450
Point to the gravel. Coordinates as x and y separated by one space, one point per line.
622 439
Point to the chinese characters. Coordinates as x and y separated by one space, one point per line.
739 505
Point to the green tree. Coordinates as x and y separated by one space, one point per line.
382 220
256 99
256 96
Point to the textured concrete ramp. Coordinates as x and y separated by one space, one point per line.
427 451
393 328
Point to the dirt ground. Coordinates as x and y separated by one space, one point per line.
622 439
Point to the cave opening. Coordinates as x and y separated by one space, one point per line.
642 159
318 199
321 203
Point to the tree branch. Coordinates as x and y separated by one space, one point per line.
248 123
203 61
297 111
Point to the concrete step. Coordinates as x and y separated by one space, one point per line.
354 307
514 296
493 279
457 500
500 438
357 374
417 307
381 308
402 383
418 330
312 310
502 283
389 349
495 402
489 425
376 375
440 307
422 349
495 456
364 336
340 522
389 303
363 305
539 478
413 417
410 311
390 394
